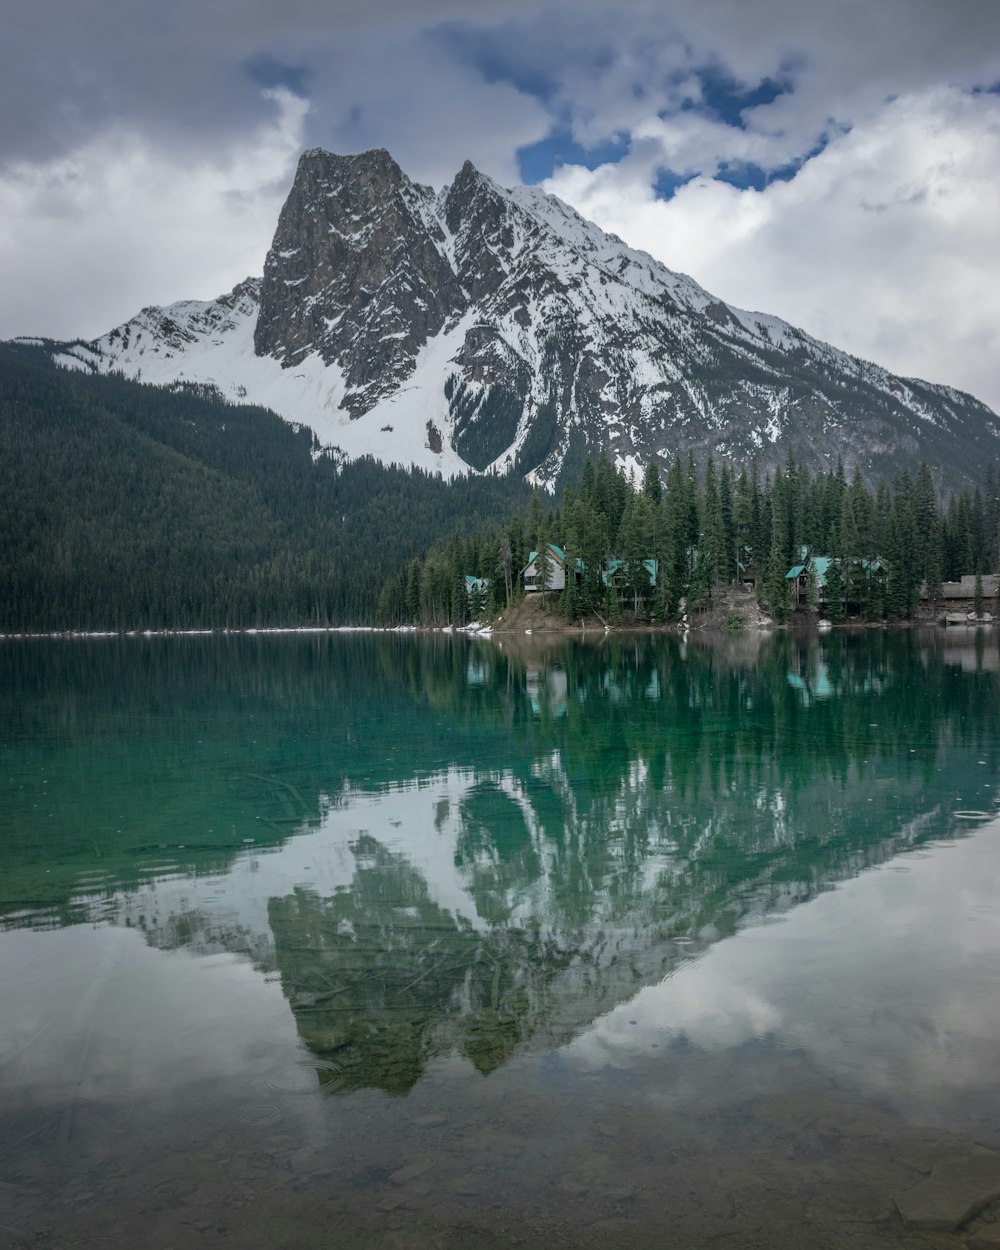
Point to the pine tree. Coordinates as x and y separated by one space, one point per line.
796 538
775 581
594 549
676 540
505 565
742 525
634 546
572 545
896 595
712 541
835 591
727 569
412 596
691 495
543 558
651 485
570 598
760 525
850 560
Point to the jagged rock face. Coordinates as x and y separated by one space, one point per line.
478 218
356 272
498 330
182 325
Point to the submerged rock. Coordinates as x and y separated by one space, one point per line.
954 1193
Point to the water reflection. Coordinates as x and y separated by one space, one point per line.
435 942
888 986
442 846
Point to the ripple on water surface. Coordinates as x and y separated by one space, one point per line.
307 1076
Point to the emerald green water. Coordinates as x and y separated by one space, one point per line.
411 942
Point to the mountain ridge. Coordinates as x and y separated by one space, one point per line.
481 329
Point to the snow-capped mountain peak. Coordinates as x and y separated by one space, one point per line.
484 329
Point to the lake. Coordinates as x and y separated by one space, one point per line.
434 942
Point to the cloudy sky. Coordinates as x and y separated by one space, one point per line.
836 163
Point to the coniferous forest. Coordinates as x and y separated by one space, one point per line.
710 527
126 506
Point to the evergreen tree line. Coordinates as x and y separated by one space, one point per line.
710 527
126 506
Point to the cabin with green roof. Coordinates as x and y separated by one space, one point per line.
616 572
812 569
555 574
816 570
476 590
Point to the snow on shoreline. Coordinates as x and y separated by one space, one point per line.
474 629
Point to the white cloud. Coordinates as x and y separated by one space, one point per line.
88 239
884 244
884 1026
433 114
122 185
135 215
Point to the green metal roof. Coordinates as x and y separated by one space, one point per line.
611 567
533 555
818 566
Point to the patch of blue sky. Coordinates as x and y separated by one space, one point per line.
538 161
502 54
725 99
747 175
667 183
268 72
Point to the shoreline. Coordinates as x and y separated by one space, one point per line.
222 632
549 627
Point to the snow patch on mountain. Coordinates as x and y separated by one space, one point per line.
209 343
407 425
379 293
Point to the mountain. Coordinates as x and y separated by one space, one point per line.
497 330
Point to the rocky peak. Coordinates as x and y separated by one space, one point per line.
469 185
244 297
358 271
546 339
359 179
479 215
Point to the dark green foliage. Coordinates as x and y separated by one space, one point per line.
128 506
709 530
996 601
486 424
652 487
835 592
540 439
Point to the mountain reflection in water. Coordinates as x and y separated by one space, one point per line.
452 846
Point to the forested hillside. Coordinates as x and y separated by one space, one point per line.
709 527
124 506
